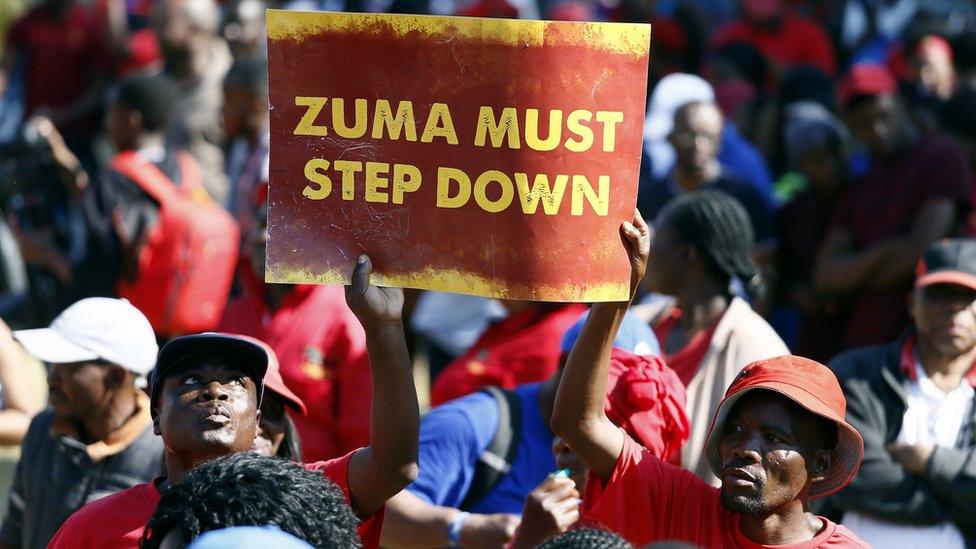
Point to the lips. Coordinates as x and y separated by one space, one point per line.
737 476
215 414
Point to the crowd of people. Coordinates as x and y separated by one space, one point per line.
796 366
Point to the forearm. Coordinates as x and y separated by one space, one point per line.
13 426
412 522
578 414
847 272
15 380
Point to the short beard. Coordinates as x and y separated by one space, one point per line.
746 505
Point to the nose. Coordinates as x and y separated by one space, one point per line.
747 448
214 391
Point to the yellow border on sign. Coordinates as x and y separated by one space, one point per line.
625 38
450 280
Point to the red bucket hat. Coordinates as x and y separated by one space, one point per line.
273 381
815 388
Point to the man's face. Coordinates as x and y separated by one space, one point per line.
566 458
823 167
238 101
945 316
78 389
876 123
207 409
665 266
696 136
771 452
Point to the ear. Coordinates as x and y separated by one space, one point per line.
822 461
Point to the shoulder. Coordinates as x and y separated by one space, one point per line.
119 514
843 537
938 146
474 408
863 363
747 325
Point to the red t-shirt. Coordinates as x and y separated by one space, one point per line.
321 348
523 348
646 500
118 521
684 362
62 56
796 41
884 205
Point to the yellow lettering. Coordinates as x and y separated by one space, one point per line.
551 198
406 179
348 169
610 120
481 191
439 124
599 201
507 124
532 130
374 182
574 123
339 118
306 126
383 117
314 175
444 178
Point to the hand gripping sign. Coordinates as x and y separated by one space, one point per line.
481 156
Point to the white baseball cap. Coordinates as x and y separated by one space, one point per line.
97 328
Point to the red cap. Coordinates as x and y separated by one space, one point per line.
647 399
814 387
865 79
273 381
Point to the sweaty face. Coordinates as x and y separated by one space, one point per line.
273 425
876 123
945 316
697 135
771 452
78 389
207 409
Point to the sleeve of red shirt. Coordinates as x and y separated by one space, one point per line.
337 470
947 173
641 496
354 396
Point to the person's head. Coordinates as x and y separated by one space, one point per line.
246 97
943 304
257 237
277 435
206 393
244 27
141 105
868 95
704 235
246 489
696 136
184 28
932 66
816 146
761 12
779 437
586 538
97 349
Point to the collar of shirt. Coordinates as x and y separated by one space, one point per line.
908 359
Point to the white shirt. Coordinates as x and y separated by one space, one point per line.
933 417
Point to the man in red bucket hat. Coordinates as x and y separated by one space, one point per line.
778 439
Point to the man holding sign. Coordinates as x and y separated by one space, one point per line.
529 131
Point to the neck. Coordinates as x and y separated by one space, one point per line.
702 305
945 370
149 140
788 525
119 409
690 178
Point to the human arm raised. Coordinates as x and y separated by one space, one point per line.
578 415
381 470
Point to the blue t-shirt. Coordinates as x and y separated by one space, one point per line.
455 434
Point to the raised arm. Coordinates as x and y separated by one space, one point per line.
389 464
578 415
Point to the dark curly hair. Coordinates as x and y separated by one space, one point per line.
719 229
246 489
586 538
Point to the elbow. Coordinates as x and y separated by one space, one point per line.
407 473
572 429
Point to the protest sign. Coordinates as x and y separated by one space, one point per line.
483 156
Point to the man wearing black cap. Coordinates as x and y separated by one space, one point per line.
913 402
206 395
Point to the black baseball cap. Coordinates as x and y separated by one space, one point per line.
251 354
949 261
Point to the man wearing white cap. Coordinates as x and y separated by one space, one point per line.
96 436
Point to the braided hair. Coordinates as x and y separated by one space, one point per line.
719 229
246 489
586 538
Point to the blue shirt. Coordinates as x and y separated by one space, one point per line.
454 435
